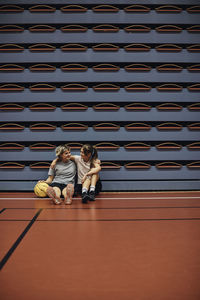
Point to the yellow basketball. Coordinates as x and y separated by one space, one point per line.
40 189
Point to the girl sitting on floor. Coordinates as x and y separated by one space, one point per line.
61 178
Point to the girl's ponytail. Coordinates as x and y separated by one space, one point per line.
94 155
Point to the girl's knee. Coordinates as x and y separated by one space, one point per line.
70 187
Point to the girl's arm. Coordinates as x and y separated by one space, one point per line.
54 162
50 177
72 158
96 169
48 180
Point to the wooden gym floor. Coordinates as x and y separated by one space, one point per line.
141 246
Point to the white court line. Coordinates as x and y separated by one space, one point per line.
136 198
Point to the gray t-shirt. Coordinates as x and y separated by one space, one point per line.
63 172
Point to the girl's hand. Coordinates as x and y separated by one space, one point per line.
83 179
53 164
97 161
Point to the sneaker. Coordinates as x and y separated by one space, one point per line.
85 197
92 195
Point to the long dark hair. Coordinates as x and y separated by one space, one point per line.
87 148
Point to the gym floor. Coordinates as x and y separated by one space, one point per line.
142 246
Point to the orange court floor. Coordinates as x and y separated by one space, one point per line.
123 246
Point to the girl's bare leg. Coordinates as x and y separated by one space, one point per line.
54 193
94 179
68 193
86 183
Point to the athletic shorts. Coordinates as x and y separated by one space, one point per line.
61 186
78 188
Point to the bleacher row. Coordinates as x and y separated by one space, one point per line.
102 67
121 76
99 47
100 28
166 8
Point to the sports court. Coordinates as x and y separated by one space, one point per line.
142 245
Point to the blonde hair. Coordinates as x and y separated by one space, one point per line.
61 149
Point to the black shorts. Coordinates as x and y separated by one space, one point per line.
61 186
78 188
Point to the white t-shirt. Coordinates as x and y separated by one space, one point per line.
82 166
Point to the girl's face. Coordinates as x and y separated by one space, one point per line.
65 156
84 156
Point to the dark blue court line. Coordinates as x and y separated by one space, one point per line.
17 242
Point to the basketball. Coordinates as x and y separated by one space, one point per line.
40 189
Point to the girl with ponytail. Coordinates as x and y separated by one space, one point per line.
88 167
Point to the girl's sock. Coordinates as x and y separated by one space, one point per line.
84 190
92 188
